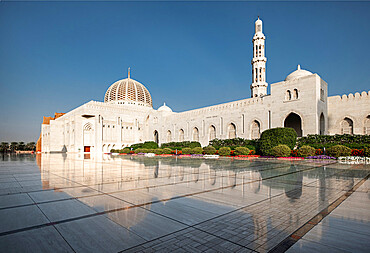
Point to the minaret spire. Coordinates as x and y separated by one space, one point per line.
259 84
128 75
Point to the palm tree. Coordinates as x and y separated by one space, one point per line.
21 146
4 147
13 146
31 146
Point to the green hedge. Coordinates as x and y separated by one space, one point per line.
181 145
234 143
209 150
241 151
275 136
186 151
167 151
281 150
224 151
197 150
321 141
147 144
305 151
339 150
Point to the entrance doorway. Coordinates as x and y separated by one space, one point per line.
294 121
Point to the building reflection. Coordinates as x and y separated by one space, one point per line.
226 182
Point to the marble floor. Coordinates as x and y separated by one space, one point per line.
82 203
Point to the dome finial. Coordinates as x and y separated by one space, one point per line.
299 67
128 73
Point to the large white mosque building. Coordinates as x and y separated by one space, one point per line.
127 116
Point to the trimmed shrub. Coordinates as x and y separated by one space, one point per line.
339 150
224 151
241 151
181 145
276 136
233 143
140 150
158 151
209 150
125 151
186 151
367 151
167 151
306 150
197 150
281 150
147 145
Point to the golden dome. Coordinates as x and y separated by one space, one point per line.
128 91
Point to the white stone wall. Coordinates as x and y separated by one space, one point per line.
354 107
115 126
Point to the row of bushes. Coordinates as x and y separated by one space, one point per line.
273 142
209 150
181 145
348 140
234 143
280 150
305 151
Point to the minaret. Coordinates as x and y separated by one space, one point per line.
259 85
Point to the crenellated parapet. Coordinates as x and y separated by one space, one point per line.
226 106
350 97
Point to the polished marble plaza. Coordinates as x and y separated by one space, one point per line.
76 203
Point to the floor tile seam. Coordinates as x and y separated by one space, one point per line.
51 223
293 238
155 239
53 201
204 231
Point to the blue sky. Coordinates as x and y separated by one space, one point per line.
55 56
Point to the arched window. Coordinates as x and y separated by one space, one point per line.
255 130
231 131
169 136
156 136
181 135
288 95
295 94
195 134
367 125
322 124
88 127
346 126
212 132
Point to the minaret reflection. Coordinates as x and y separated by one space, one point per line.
294 190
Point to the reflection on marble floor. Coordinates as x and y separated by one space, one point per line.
112 204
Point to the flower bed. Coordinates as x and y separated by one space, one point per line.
290 158
321 157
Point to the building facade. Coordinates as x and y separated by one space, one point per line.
127 116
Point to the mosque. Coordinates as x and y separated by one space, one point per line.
127 115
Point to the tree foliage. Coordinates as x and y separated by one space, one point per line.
276 136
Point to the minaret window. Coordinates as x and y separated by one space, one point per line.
288 95
295 94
